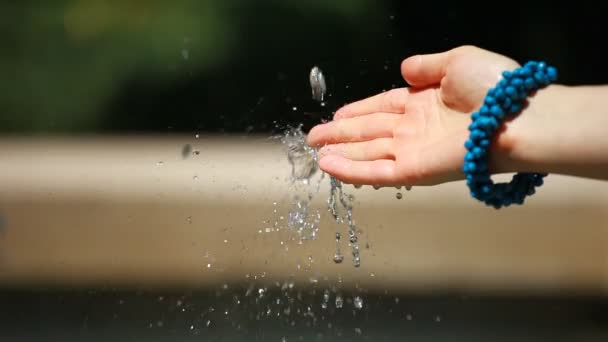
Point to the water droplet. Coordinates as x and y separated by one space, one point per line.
294 108
160 163
358 186
208 323
186 150
358 302
195 177
339 302
208 265
391 17
399 195
325 299
196 152
408 317
358 331
189 219
185 54
338 258
225 241
437 318
408 187
196 136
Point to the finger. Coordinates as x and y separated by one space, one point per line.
365 150
425 70
377 172
392 101
360 128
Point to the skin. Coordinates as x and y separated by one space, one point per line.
415 135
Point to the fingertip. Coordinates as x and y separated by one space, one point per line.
312 137
342 112
410 65
424 70
332 163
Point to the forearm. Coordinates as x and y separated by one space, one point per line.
563 130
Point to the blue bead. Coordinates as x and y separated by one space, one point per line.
542 65
478 134
469 156
531 65
499 94
515 108
541 78
522 95
484 143
479 152
511 92
493 123
530 83
468 144
475 116
552 74
507 102
490 100
497 112
523 72
517 82
506 75
484 110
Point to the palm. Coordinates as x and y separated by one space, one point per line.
414 135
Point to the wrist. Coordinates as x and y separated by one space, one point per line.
522 142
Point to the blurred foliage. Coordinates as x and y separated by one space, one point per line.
65 59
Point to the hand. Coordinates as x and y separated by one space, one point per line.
413 135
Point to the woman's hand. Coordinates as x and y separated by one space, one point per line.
413 135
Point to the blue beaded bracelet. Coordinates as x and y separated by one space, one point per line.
506 99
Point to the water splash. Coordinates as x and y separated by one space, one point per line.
338 197
301 218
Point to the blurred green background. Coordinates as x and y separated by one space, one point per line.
101 66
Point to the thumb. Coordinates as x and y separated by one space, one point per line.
425 70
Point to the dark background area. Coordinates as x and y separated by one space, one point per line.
242 66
